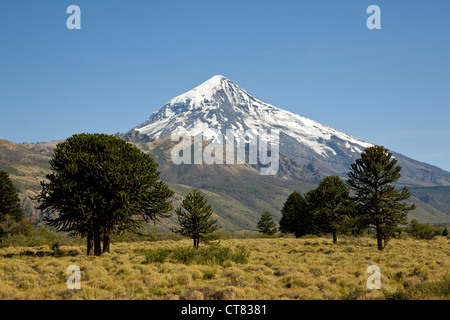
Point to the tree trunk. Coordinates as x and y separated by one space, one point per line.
97 240
196 240
106 240
90 242
334 237
379 239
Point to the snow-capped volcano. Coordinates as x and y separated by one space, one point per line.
222 104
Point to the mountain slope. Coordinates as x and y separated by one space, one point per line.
227 187
238 193
437 197
26 168
221 104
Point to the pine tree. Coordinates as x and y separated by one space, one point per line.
379 204
194 217
330 206
9 201
296 217
266 225
102 185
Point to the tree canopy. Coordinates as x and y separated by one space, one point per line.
102 185
195 218
295 215
9 201
375 201
324 209
266 225
378 203
329 204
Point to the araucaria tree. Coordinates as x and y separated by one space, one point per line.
266 225
296 217
9 201
378 202
102 185
194 217
329 204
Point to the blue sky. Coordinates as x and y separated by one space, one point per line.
316 58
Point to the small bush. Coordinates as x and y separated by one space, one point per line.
185 255
356 293
422 231
399 294
158 256
209 274
422 290
241 256
210 255
440 288
309 236
39 237
56 250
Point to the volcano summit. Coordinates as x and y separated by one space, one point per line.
221 104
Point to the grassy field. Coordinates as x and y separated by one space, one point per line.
279 268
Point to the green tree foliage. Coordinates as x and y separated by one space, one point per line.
354 224
194 217
329 206
296 217
378 203
10 208
445 232
322 210
266 225
421 231
102 185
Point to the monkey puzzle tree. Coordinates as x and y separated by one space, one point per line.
378 202
330 206
296 216
102 185
9 201
194 217
266 225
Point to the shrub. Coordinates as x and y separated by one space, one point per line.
209 274
399 294
309 236
241 256
210 255
439 288
38 237
184 255
422 290
156 256
56 250
421 231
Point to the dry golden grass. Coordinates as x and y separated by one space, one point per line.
281 268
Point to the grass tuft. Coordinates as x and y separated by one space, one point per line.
210 255
248 269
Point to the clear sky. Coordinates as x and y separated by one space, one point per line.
316 58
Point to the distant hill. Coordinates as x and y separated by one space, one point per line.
27 168
437 197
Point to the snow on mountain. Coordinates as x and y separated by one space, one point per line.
222 104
